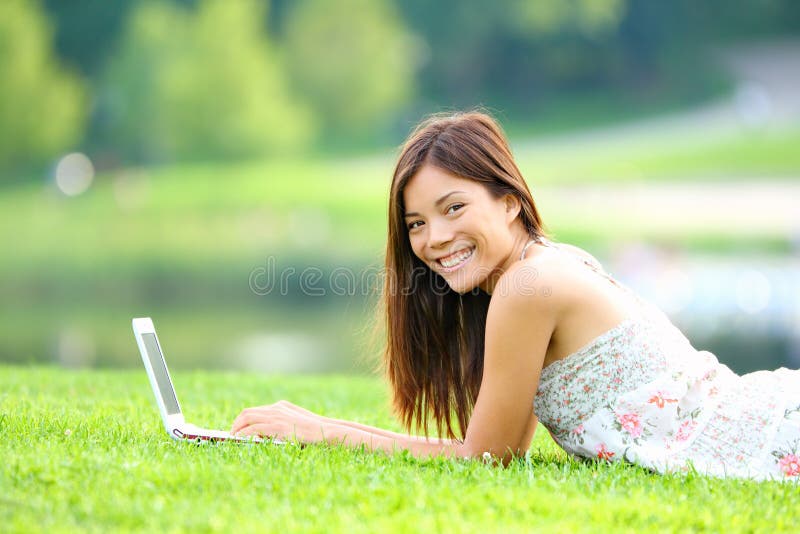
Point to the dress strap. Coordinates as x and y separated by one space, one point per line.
536 240
525 248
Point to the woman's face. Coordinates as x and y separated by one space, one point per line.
459 230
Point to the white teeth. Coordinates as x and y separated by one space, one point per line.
455 259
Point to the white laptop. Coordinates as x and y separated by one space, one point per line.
156 366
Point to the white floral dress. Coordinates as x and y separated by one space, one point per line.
641 393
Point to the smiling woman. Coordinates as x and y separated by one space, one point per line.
460 212
492 327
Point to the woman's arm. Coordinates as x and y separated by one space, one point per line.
286 421
320 419
519 325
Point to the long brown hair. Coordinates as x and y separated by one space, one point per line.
434 352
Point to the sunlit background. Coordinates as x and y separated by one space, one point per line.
223 165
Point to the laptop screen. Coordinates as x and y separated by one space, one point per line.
160 372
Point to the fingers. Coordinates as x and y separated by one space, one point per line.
277 421
266 413
261 430
258 421
286 405
274 413
248 417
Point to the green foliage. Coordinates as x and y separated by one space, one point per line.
521 55
87 451
362 65
203 84
85 32
42 106
353 59
552 16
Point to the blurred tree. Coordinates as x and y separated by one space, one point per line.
517 51
353 59
42 106
200 84
552 16
356 62
85 30
521 54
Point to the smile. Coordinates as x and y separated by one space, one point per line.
455 260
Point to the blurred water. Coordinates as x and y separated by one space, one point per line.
745 309
329 337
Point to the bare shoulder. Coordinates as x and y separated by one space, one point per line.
531 285
549 284
581 254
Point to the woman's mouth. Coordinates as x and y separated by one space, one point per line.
455 261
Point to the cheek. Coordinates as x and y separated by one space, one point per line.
417 244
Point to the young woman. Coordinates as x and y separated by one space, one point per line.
491 324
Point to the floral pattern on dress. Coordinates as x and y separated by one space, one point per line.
603 453
788 460
661 399
621 398
598 372
742 425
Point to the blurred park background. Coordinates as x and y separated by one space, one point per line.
223 165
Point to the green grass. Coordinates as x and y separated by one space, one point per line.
733 156
85 450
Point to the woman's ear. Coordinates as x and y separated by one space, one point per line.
513 207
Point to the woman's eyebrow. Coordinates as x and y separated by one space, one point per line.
437 203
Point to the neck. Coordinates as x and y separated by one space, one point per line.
519 240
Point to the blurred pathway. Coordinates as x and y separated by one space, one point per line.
767 97
757 207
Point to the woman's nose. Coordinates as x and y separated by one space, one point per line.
439 234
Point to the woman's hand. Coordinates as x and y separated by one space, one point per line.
282 420
285 421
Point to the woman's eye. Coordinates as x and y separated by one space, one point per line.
454 207
414 224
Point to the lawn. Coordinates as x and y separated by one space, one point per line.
693 156
85 450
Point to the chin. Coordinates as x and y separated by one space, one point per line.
459 289
462 286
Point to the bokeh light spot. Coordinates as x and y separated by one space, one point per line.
753 291
74 174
